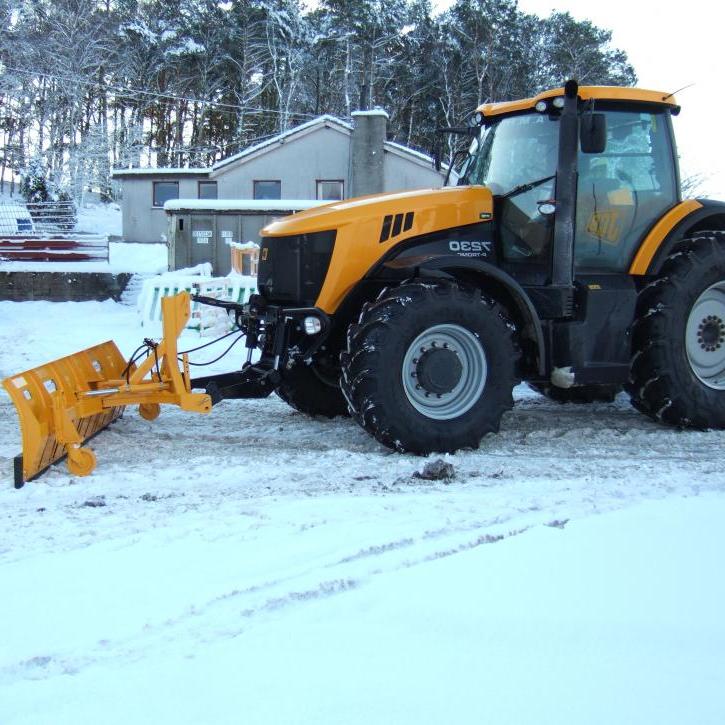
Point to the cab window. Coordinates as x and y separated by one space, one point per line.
622 191
516 158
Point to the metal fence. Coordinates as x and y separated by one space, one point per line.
46 231
48 217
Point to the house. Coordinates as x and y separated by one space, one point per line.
323 159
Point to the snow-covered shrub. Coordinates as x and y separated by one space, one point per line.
35 186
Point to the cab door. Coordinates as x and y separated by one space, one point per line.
623 191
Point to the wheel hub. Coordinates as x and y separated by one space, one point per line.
439 370
705 337
711 333
444 371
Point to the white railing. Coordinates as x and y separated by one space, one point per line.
196 280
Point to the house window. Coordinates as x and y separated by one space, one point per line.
164 191
207 190
330 190
268 189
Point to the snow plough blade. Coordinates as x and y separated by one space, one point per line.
64 403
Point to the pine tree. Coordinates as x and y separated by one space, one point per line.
91 85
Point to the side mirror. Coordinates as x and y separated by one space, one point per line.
593 133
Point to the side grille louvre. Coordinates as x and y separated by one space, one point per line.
385 232
393 225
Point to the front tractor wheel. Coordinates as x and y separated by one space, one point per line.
430 366
309 390
678 368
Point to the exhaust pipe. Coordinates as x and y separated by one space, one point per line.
566 185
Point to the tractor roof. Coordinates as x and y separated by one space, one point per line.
603 93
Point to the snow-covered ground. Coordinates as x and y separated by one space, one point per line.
256 566
98 218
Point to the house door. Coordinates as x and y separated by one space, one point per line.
203 241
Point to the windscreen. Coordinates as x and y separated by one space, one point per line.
513 151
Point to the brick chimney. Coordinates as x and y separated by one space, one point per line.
367 172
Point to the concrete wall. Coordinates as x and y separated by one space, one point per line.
142 221
62 286
324 153
319 154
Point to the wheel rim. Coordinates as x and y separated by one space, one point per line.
444 372
705 337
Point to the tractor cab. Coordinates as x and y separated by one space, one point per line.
623 183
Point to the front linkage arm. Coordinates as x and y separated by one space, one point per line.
279 332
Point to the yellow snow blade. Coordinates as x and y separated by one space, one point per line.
65 402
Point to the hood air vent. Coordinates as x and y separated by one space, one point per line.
393 225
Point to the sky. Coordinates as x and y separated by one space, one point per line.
671 45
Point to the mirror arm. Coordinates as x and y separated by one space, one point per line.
472 131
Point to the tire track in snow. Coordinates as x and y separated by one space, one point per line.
256 477
201 623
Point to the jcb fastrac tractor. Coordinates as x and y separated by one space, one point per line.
563 256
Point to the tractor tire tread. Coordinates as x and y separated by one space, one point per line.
377 326
661 383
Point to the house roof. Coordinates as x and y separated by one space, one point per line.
280 138
407 151
330 122
160 171
274 141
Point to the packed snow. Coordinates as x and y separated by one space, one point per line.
257 566
100 219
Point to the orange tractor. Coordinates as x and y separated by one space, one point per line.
563 256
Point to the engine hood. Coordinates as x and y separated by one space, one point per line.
433 209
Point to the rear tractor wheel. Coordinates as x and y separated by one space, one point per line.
430 367
678 366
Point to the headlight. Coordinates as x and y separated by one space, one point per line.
312 325
540 106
